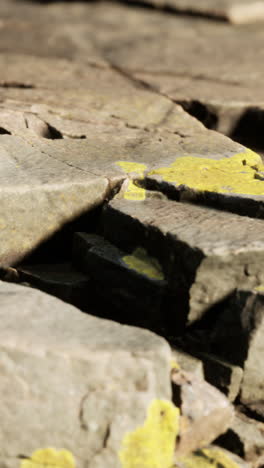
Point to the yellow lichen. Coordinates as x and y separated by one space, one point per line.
49 458
259 288
241 173
208 458
175 365
153 444
144 264
133 192
129 167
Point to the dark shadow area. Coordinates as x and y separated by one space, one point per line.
201 112
230 441
249 130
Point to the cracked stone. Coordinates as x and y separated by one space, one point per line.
202 258
59 371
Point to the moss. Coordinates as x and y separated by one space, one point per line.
153 444
144 264
49 458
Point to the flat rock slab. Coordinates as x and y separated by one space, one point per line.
203 259
72 381
63 149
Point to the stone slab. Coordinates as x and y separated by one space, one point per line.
60 280
202 258
72 381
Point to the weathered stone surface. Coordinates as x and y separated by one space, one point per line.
241 328
223 375
245 437
129 287
187 362
72 381
202 258
60 280
48 149
205 412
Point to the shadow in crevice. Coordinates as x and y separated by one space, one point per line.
248 130
201 112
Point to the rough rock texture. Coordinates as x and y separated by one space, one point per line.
71 380
202 258
205 412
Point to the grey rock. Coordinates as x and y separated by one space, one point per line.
187 362
202 258
72 381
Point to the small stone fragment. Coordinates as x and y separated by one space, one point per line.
205 412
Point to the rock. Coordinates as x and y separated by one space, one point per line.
240 327
235 11
223 375
61 386
60 280
245 437
211 457
133 283
205 412
202 258
187 362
